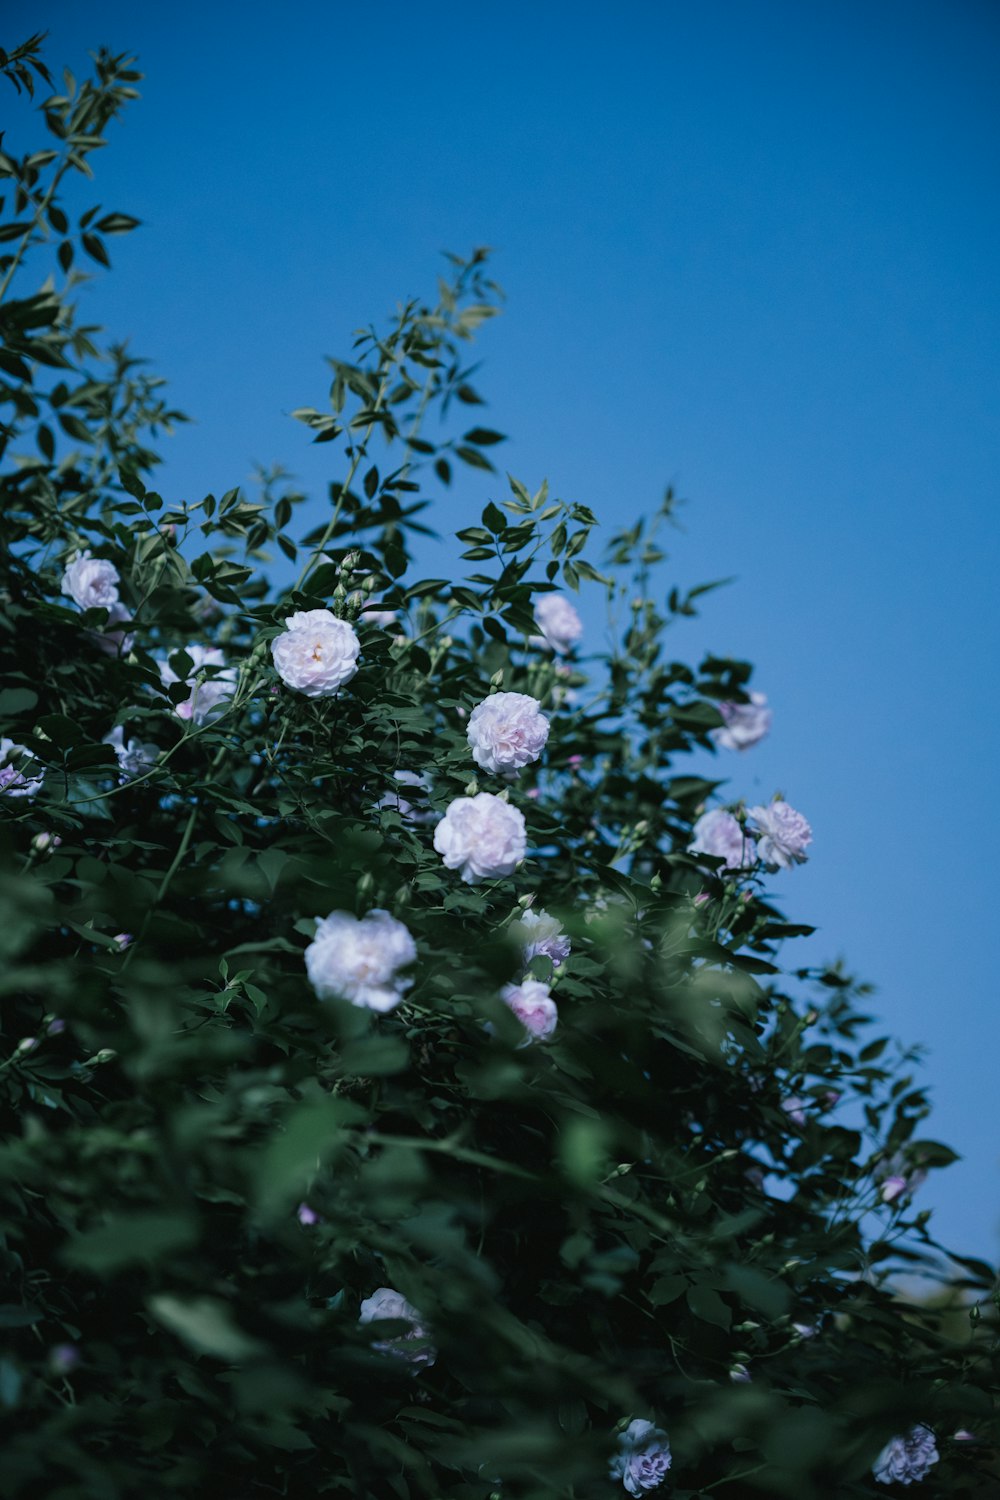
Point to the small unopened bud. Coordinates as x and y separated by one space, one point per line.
44 843
350 562
366 883
370 584
340 593
123 939
471 788
525 901
356 600
702 898
497 679
27 1044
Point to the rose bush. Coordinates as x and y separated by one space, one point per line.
234 1126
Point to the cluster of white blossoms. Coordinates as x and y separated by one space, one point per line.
316 652
15 777
907 1460
782 834
413 1345
533 1005
360 960
483 837
207 695
745 723
135 757
506 732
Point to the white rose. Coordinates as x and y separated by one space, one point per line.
483 837
559 623
91 582
359 961
317 653
413 1346
785 834
134 756
718 833
207 694
533 1006
538 933
14 764
507 731
746 723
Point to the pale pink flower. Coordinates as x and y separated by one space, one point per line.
643 1458
208 694
784 834
538 933
15 777
91 582
413 1346
719 834
907 1460
559 623
316 653
359 961
482 837
533 1006
135 757
745 723
507 731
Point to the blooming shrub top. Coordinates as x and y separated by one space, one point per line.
231 1119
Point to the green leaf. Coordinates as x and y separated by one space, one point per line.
130 1239
206 1325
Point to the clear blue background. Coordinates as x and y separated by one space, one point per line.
750 249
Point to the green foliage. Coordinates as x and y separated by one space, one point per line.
621 1223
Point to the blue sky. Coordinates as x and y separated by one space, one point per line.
748 249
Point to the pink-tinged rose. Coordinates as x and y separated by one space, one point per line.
91 582
360 961
413 1345
533 1006
135 757
316 653
16 779
507 731
907 1460
702 898
124 940
784 834
212 684
538 933
745 723
559 623
482 837
306 1215
719 834
643 1458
